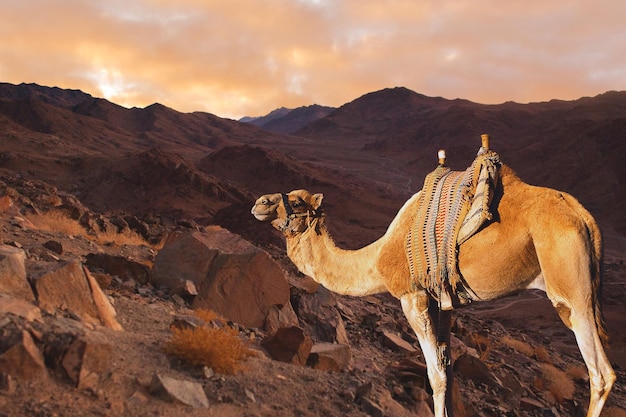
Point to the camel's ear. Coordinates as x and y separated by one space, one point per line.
316 201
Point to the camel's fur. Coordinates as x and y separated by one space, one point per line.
539 238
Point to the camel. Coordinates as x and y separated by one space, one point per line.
539 238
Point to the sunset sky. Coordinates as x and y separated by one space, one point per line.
247 57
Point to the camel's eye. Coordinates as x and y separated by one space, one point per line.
297 203
265 202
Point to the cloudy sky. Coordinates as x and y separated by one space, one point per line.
248 57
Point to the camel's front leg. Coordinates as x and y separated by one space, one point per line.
415 307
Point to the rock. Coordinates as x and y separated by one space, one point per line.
515 388
185 392
410 370
207 372
320 317
118 266
137 398
103 280
233 277
178 300
7 383
66 288
391 407
86 359
418 394
458 348
530 404
475 369
250 395
363 391
71 287
186 290
106 312
288 344
457 400
422 409
278 317
23 360
186 322
13 273
185 256
371 408
54 246
329 357
19 307
396 343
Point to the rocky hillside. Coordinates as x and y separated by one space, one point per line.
119 225
100 351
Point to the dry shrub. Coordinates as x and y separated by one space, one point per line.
577 372
125 237
542 354
207 316
520 346
217 346
557 382
57 221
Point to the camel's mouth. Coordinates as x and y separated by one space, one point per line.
262 217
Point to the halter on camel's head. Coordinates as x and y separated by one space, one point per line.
291 213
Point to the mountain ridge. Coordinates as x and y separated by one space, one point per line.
383 141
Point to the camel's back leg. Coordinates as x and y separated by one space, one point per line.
569 280
415 307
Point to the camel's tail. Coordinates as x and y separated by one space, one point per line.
598 277
596 266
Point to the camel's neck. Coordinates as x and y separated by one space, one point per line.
347 272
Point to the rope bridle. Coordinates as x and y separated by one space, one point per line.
290 215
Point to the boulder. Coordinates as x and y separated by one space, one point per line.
320 317
13 273
232 277
54 246
87 358
118 266
185 392
71 287
19 307
280 316
23 359
106 312
288 344
329 357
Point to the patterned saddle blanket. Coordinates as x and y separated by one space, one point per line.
453 206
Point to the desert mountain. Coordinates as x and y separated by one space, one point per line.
392 137
382 142
288 121
192 177
261 120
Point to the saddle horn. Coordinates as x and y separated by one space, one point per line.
485 141
442 157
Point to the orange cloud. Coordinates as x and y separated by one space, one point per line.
249 57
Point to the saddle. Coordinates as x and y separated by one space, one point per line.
453 206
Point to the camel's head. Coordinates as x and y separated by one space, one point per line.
291 212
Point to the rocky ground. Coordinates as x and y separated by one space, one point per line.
512 357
